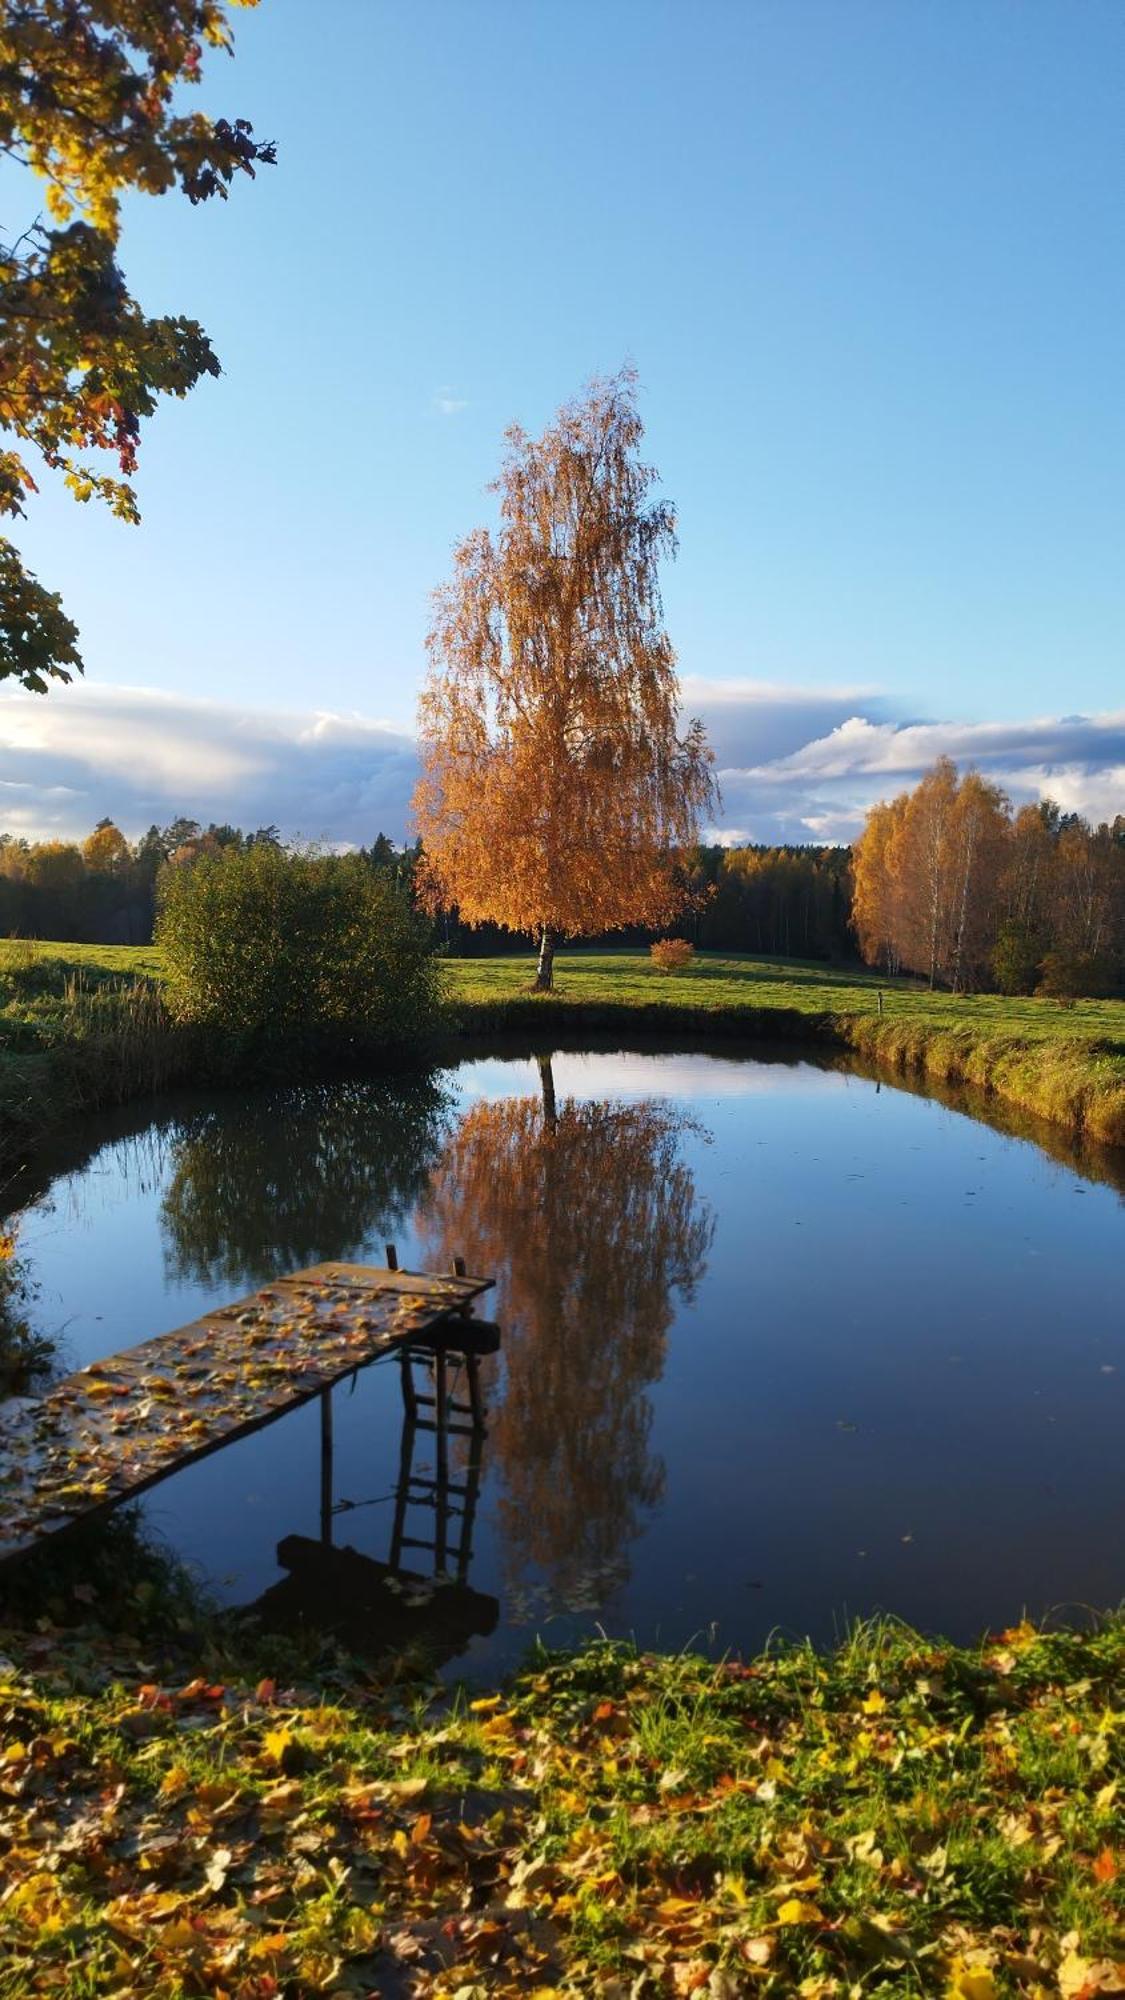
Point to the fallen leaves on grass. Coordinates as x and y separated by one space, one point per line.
611 1823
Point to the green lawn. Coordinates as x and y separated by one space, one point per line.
131 960
715 983
736 981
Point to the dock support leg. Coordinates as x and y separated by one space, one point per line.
409 1392
441 1412
402 1491
326 1467
476 1400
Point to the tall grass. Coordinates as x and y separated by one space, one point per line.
123 1035
73 1039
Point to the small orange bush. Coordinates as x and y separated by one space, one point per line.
672 954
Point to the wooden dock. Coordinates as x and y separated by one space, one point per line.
114 1429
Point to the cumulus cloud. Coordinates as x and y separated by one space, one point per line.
821 789
755 722
793 764
141 756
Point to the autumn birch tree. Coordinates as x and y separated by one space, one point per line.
558 785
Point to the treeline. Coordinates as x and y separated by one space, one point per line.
793 901
101 890
951 883
946 881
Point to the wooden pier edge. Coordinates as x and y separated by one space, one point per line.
177 1368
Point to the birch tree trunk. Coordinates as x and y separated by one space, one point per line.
545 969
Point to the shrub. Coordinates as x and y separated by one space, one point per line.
294 947
1016 957
672 954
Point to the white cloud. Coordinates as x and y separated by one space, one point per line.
900 749
794 764
821 789
447 404
69 757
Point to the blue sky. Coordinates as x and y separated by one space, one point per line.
868 259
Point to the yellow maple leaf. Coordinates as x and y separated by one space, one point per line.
796 1911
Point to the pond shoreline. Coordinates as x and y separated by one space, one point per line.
107 1040
1076 1083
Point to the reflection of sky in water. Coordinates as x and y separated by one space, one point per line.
898 1384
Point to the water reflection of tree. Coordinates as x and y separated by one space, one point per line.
266 1184
590 1220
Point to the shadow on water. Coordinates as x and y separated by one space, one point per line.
415 1603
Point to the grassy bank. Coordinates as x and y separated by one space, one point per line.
81 1024
85 1026
899 1817
1061 1062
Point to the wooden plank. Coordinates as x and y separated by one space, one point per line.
112 1430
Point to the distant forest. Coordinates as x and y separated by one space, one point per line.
793 901
947 881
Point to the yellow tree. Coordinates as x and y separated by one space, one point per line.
88 102
876 898
106 850
557 785
980 836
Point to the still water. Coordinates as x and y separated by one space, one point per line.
782 1345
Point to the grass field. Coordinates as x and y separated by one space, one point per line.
736 981
1064 1062
899 1817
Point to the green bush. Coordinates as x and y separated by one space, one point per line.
287 948
1016 957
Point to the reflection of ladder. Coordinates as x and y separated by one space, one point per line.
451 1502
461 1340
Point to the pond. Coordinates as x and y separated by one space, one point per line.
782 1344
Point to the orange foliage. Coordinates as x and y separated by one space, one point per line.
671 954
926 876
591 1221
106 848
556 787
